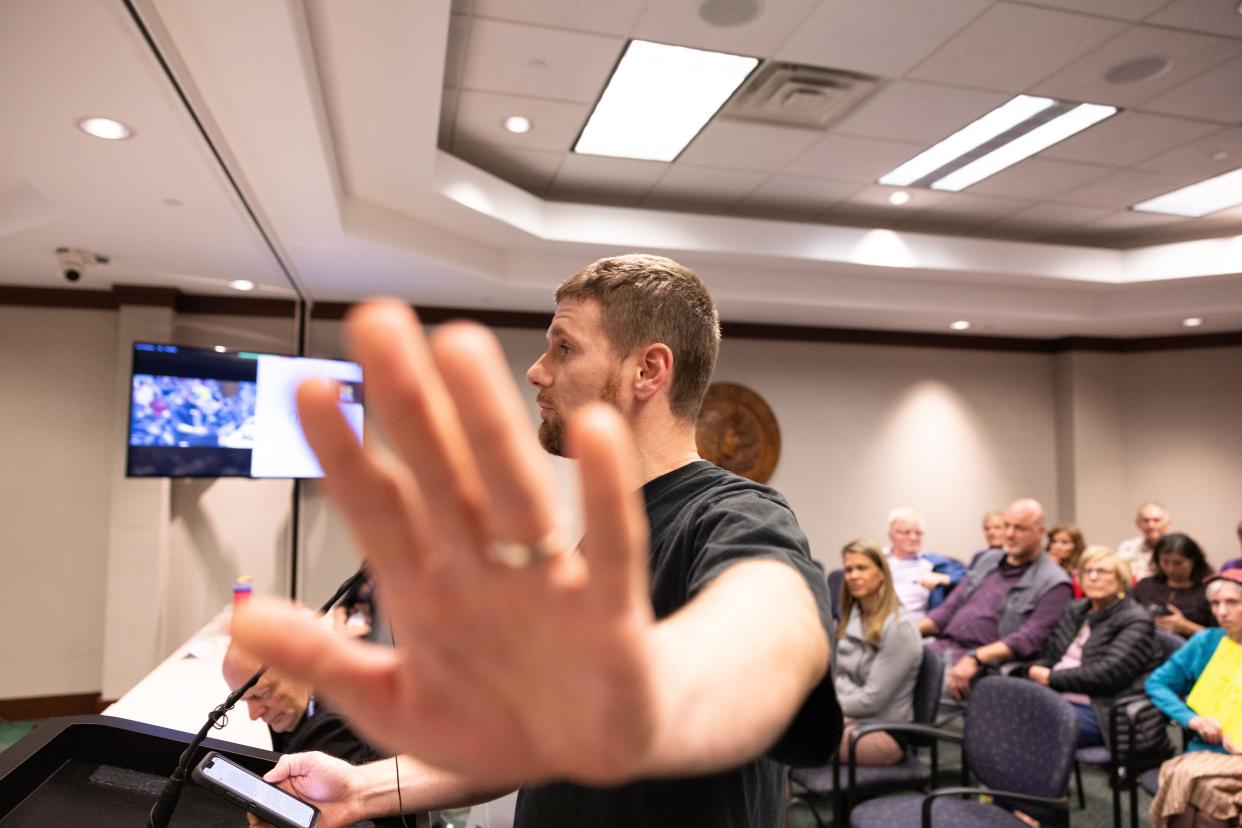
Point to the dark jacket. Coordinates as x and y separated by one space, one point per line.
1121 650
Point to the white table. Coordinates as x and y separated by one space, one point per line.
184 688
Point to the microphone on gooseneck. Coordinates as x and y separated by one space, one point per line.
163 809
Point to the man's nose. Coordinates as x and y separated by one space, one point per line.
255 711
536 375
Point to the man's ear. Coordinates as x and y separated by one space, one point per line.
655 370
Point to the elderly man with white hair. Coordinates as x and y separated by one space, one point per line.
922 579
1153 521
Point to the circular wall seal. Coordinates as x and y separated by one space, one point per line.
737 431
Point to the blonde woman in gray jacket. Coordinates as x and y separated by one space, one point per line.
878 654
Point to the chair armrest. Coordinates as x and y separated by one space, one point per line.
893 727
1061 803
903 727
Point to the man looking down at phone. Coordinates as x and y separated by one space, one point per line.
296 720
658 674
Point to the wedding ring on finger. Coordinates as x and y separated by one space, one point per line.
522 555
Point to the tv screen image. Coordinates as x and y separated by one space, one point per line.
197 412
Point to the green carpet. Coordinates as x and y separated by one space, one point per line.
11 732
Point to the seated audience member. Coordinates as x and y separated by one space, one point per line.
1065 546
1199 790
1005 608
1234 563
878 654
1175 593
1104 646
1172 681
1153 522
993 535
295 718
922 579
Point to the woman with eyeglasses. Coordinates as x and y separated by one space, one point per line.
1103 647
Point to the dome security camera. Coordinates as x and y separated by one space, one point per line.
73 260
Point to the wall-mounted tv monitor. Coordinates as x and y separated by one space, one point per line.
201 412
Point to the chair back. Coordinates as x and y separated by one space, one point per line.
928 687
1169 644
1020 737
834 591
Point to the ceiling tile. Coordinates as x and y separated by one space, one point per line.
1127 138
1189 54
1212 96
914 111
1037 179
531 170
794 196
679 22
1128 9
1045 217
1132 220
702 188
1122 189
885 39
1195 158
745 145
616 17
554 124
973 209
455 52
849 158
539 62
602 180
1211 17
1013 47
448 117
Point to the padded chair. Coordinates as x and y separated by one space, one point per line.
846 785
1018 741
1125 766
834 591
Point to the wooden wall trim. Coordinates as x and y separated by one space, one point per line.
332 311
45 707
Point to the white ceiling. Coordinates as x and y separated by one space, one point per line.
366 140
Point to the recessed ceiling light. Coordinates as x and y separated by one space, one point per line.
220 349
960 325
241 284
517 124
728 12
1199 199
1220 155
1000 120
899 198
105 128
1017 129
1024 146
1192 322
658 99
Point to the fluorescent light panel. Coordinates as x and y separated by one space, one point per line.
1000 120
1024 146
658 99
1194 200
1006 117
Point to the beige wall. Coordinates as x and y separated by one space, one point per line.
864 428
56 374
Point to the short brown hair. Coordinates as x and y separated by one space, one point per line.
645 299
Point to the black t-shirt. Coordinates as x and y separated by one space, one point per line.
321 728
704 519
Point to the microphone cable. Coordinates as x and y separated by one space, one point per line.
162 811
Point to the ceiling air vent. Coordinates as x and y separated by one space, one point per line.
806 96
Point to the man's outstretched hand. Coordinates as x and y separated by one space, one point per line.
504 674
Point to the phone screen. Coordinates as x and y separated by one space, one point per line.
255 789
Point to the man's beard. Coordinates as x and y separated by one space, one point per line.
552 428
